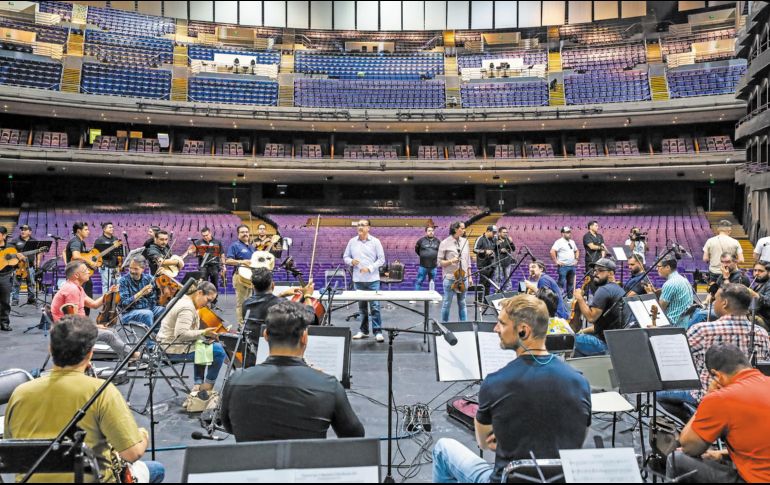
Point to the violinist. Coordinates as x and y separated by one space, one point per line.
138 298
158 253
454 257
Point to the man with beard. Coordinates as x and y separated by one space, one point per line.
485 250
427 249
760 289
604 313
239 253
538 279
535 381
636 283
676 296
731 273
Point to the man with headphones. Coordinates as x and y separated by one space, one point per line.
537 382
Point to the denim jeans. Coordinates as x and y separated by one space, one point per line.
31 291
446 305
701 316
454 463
501 274
145 316
199 370
422 273
677 397
105 274
588 345
157 471
567 279
363 307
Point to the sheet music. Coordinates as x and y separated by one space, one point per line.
491 356
459 362
603 465
620 254
325 353
354 474
642 310
672 353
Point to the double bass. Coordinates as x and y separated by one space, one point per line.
318 309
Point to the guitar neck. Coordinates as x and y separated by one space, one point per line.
109 250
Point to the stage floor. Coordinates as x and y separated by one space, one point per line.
414 382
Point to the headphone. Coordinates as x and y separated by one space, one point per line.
522 334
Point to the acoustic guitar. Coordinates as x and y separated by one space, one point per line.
94 259
10 256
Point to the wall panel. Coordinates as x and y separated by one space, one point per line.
580 12
414 15
554 13
604 10
367 16
321 15
529 14
390 15
435 15
175 9
297 14
457 15
345 15
275 14
226 12
203 11
250 13
506 15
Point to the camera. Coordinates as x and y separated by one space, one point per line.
636 236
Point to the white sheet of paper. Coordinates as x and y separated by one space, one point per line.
620 254
672 352
459 362
357 474
268 475
603 465
643 312
492 357
323 352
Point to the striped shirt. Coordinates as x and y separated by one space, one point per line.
730 329
678 294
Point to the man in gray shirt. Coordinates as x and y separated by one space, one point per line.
365 254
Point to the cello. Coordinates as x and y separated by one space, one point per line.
575 317
318 309
211 319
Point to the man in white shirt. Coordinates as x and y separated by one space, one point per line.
565 253
718 245
762 250
365 254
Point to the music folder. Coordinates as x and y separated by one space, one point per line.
476 355
652 359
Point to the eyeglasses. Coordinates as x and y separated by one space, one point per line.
363 225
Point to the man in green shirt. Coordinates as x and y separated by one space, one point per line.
39 409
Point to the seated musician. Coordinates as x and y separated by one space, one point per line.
731 273
137 294
731 305
539 279
676 296
283 398
735 408
536 381
41 408
604 313
72 295
158 253
181 329
635 285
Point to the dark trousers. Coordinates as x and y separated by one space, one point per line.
211 273
88 287
489 272
6 287
707 471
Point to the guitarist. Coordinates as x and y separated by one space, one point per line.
25 235
6 286
138 297
108 271
76 249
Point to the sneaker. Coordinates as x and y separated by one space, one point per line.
6 328
379 338
360 335
412 302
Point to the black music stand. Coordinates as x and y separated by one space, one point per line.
18 456
42 247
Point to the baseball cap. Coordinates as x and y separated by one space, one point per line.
606 263
566 229
492 228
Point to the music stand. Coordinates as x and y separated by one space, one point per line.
476 355
41 247
641 308
496 300
288 461
70 457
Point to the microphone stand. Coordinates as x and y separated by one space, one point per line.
478 273
518 263
330 291
753 333
71 428
392 334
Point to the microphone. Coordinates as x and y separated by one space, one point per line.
446 333
197 435
55 237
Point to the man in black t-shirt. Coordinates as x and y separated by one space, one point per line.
427 249
158 252
76 249
635 284
505 253
604 313
211 256
593 242
258 304
108 271
152 231
485 249
6 286
521 406
25 236
283 398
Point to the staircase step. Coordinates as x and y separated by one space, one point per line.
654 53
179 89
70 80
75 44
554 61
556 96
659 88
287 63
181 55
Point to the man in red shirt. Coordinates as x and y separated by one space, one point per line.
735 408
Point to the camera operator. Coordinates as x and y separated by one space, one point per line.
637 241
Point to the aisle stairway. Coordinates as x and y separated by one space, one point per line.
659 88
738 233
253 222
477 229
9 219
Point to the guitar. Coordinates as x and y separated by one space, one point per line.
10 257
95 259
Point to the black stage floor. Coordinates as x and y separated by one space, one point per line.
414 382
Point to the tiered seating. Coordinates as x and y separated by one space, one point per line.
233 91
530 57
505 94
604 58
540 150
464 152
370 151
593 34
64 10
204 53
607 87
705 82
678 145
30 74
130 23
277 150
45 33
623 148
195 147
127 49
135 83
329 93
13 137
677 45
50 139
311 151
508 151
229 149
335 40
109 143
715 144
375 66
428 153
588 150
144 145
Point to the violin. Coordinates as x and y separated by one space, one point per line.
460 284
22 269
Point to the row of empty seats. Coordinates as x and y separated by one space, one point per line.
508 151
429 153
50 139
677 145
135 83
144 145
205 53
374 66
109 143
370 151
195 147
128 49
50 34
13 137
233 91
229 149
587 149
707 81
540 150
715 144
592 34
62 9
604 58
462 152
623 148
607 87
29 73
329 93
529 56
130 23
505 94
277 150
677 45
311 151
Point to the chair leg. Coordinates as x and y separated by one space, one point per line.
614 422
